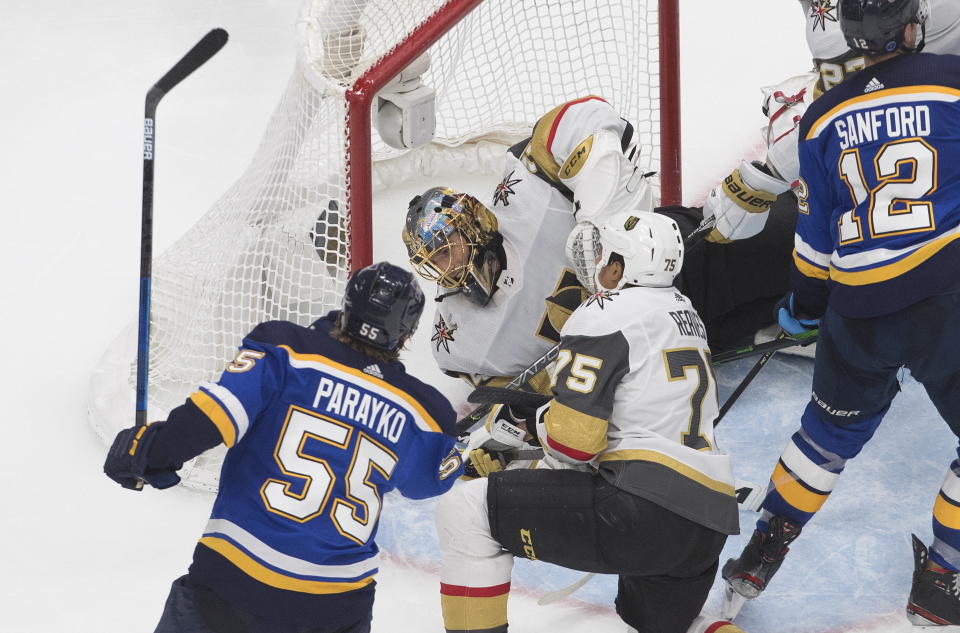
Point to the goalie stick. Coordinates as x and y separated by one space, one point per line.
202 51
466 423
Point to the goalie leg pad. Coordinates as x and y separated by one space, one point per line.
579 520
663 604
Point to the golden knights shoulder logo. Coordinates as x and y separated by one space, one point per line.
505 189
630 223
443 334
822 11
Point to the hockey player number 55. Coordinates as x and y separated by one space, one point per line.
896 202
354 516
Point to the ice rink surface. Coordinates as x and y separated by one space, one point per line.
80 555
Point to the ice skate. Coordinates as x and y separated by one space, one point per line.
935 595
748 575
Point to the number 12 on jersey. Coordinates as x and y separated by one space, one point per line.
896 202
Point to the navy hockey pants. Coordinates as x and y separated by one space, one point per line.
194 609
854 382
855 372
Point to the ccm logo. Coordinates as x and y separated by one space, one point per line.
527 541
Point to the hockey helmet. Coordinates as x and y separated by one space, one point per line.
876 27
449 238
382 306
651 246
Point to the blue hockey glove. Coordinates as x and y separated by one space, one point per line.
127 460
792 323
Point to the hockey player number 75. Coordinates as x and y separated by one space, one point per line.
317 477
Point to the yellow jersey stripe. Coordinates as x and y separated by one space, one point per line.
939 93
808 269
888 272
467 613
269 577
410 400
637 454
212 409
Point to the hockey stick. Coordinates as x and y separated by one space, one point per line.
803 339
206 48
762 348
466 423
484 394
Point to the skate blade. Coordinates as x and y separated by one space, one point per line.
923 624
732 603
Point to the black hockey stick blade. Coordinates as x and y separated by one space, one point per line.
502 395
778 343
202 51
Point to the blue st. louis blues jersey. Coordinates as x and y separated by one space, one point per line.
317 434
880 193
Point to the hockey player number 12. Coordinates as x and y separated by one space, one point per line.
896 205
317 477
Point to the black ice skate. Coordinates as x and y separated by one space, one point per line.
935 595
761 558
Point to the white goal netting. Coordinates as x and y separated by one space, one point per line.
278 244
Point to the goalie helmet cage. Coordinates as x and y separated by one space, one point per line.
280 243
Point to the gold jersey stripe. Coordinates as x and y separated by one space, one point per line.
269 577
317 358
212 409
862 102
575 429
808 269
637 454
465 613
885 273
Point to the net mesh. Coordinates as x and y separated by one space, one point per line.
277 244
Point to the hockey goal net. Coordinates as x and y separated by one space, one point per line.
281 242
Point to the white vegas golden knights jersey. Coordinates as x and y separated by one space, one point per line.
835 61
535 211
634 392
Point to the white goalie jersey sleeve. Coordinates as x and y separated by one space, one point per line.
635 394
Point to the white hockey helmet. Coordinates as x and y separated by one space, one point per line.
651 246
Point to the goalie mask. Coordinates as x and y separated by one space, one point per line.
651 246
452 239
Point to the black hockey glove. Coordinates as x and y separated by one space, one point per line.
126 462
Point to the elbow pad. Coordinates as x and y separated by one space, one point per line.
603 180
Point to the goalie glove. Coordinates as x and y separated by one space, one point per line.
742 201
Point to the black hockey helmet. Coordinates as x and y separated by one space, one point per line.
875 27
382 306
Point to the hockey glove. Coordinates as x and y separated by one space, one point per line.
793 323
482 463
127 460
742 201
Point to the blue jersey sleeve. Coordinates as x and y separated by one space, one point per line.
249 385
433 463
813 243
